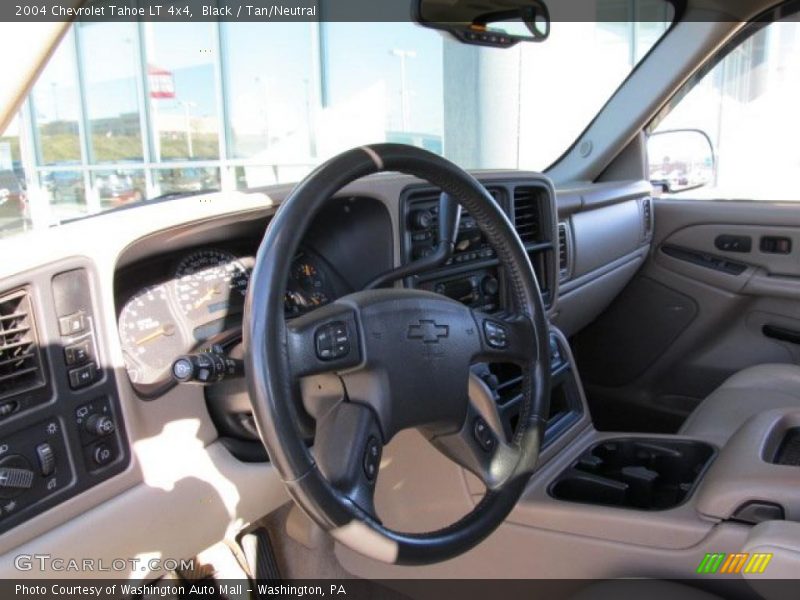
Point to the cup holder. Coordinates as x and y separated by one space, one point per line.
645 474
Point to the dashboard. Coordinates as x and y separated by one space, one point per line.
191 299
174 303
199 300
112 301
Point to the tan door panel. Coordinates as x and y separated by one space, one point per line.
734 295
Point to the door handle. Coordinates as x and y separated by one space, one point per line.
781 333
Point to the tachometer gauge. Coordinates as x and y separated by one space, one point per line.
306 289
306 275
208 282
150 336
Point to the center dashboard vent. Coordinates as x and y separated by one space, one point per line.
527 214
20 363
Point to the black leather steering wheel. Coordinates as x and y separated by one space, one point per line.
402 359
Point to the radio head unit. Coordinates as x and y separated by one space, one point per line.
473 274
422 222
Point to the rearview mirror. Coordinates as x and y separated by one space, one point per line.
492 23
680 160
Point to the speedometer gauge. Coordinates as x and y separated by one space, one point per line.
208 282
150 336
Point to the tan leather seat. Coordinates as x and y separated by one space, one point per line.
748 392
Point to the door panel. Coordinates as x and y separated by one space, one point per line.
766 247
696 313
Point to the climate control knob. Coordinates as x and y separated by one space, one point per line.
100 425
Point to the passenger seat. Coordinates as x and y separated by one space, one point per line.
748 392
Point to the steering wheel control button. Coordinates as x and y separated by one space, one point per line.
496 334
332 341
47 459
484 435
372 458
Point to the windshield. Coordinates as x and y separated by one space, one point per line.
125 112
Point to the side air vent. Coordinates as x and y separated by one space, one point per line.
647 216
563 251
527 217
20 364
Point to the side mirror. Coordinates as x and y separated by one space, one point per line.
680 160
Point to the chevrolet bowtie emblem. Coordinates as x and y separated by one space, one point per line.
428 331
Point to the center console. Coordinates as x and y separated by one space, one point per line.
635 473
756 476
474 277
671 489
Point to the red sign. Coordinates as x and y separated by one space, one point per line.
162 84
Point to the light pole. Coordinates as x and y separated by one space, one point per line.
404 104
54 94
187 106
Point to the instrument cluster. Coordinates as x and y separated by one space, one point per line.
201 299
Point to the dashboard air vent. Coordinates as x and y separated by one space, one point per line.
526 214
563 251
20 366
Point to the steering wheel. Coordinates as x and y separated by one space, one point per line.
400 358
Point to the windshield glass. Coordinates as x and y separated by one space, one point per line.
125 112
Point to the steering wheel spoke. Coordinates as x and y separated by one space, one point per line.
480 447
348 448
323 341
505 338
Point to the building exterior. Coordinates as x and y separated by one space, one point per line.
128 111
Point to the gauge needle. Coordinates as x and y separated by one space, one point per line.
208 295
168 329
